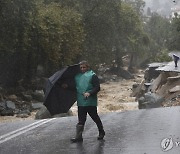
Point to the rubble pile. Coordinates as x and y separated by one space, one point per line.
160 87
21 104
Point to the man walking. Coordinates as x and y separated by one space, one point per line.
87 86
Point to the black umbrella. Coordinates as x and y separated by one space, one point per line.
59 99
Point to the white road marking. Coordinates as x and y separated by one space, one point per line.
13 132
22 130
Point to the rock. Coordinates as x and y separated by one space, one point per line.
12 97
10 105
27 97
138 90
17 111
69 113
7 112
2 106
141 104
25 111
101 79
125 74
38 95
134 86
36 106
43 113
152 100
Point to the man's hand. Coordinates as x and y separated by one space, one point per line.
86 94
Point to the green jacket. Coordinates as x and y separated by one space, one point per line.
84 84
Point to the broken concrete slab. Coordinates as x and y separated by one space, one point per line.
156 65
174 89
173 78
169 67
166 84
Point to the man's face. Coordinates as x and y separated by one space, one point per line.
83 68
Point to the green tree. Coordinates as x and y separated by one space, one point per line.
14 22
108 26
174 39
35 33
138 5
99 22
61 32
159 31
137 40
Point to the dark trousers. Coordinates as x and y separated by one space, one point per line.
92 111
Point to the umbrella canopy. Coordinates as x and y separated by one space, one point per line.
58 99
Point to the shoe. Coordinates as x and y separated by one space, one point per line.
79 131
75 140
101 135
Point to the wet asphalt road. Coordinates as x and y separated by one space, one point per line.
133 132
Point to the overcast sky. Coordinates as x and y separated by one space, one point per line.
162 6
162 2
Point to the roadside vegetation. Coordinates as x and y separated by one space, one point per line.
50 34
